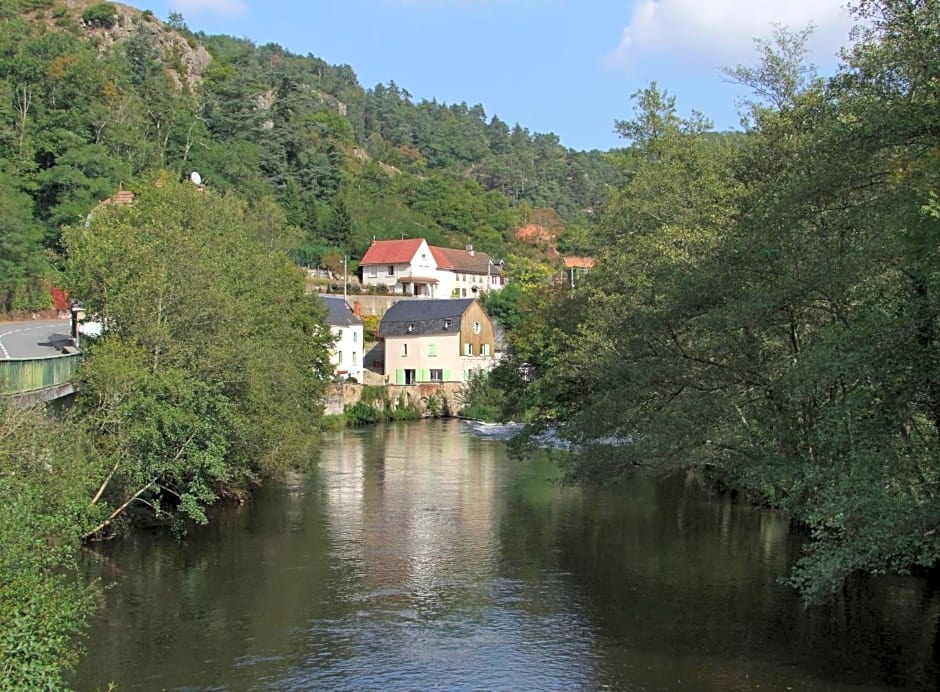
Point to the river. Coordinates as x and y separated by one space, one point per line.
418 556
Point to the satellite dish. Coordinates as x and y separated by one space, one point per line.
196 178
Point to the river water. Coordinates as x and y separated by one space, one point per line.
418 556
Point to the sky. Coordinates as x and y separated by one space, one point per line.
564 66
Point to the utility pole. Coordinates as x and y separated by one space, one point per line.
345 282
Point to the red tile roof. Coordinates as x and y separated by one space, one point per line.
462 260
579 262
121 198
391 251
441 258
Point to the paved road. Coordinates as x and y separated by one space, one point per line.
32 339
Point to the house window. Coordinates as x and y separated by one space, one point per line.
372 272
468 349
404 349
432 349
339 357
353 359
476 327
355 338
391 270
339 334
437 375
484 349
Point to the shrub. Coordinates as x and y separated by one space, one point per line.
481 398
103 14
362 413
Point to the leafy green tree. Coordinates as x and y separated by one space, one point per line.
46 479
767 306
211 369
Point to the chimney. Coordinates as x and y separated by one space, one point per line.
470 250
357 309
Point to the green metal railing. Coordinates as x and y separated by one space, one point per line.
21 375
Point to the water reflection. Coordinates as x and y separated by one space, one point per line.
419 556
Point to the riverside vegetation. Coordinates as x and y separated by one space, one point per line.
764 306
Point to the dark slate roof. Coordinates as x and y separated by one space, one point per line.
340 314
427 316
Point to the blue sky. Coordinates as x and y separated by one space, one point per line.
562 66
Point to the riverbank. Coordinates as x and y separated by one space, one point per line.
357 404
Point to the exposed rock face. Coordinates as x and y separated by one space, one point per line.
184 60
182 57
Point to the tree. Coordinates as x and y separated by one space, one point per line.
210 372
767 309
46 478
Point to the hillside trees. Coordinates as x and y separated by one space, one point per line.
88 102
211 370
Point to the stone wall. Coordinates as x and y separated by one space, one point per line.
342 394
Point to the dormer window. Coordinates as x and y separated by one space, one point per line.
447 323
411 326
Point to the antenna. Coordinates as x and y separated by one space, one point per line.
195 178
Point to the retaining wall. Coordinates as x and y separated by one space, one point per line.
341 395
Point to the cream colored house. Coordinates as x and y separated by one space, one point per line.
441 340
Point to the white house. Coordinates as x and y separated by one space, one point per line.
466 273
412 267
346 327
404 267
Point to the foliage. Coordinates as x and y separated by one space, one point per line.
363 413
103 14
207 377
345 164
370 327
481 399
44 490
768 306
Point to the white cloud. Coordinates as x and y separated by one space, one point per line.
722 32
227 8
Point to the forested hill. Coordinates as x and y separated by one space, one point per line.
94 94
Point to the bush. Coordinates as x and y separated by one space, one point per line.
481 398
362 413
103 15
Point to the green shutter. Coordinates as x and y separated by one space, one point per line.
400 376
432 349
447 375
